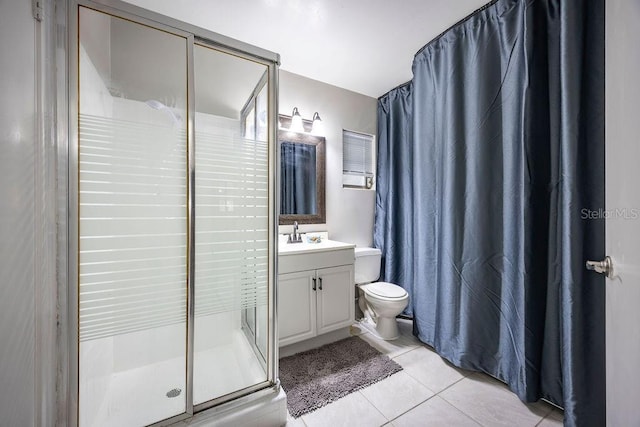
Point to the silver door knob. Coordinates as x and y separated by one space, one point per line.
603 267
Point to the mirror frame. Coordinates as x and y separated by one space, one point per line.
305 138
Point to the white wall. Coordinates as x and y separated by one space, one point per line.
349 211
17 205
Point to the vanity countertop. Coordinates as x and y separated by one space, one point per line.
304 248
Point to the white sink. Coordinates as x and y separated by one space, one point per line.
285 248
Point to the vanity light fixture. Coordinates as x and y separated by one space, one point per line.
296 121
317 127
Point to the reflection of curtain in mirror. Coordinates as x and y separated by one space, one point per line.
298 179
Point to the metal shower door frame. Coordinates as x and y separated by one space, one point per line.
68 242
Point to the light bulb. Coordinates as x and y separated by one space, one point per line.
296 121
317 127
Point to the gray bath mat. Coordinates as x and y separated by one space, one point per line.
317 377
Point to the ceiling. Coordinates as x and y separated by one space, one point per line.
366 46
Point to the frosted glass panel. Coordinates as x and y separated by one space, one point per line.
231 228
132 222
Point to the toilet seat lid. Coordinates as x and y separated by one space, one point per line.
386 290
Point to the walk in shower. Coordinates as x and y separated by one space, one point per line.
172 209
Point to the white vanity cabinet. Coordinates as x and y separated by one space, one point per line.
315 290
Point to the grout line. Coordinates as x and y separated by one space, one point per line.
413 407
547 416
420 345
402 354
463 412
451 385
372 404
434 395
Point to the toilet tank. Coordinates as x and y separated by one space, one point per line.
367 266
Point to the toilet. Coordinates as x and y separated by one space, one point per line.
380 302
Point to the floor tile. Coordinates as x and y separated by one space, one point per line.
407 397
404 343
405 326
430 369
554 419
396 394
352 410
434 412
557 414
491 403
294 422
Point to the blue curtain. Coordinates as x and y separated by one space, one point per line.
394 233
487 160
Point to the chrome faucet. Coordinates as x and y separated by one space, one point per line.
295 237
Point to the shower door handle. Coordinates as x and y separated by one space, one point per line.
313 286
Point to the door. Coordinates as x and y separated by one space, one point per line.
335 298
623 203
296 306
231 226
132 221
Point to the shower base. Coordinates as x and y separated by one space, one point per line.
138 396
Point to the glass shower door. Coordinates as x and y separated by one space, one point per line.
132 215
170 189
231 225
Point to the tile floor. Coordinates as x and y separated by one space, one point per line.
428 392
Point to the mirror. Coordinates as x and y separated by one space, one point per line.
301 175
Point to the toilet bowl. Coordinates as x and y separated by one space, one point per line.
380 302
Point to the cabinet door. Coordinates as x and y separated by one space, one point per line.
296 307
335 298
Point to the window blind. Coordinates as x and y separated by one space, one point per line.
358 162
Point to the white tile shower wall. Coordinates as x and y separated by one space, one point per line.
95 97
148 346
215 330
223 126
350 212
141 348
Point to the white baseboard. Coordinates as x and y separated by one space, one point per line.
315 342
